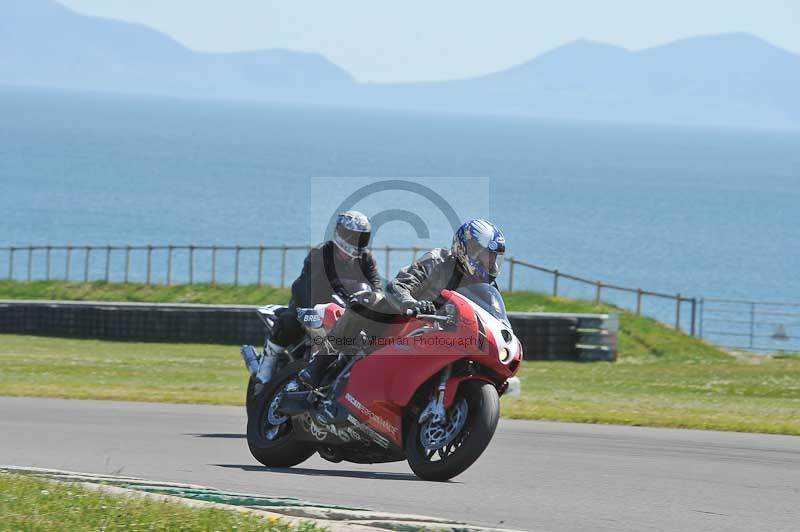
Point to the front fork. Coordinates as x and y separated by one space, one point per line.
435 411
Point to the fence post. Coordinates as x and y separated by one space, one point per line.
414 252
283 266
694 314
213 264
170 247
47 263
555 283
68 265
388 258
638 301
30 262
236 267
260 263
149 262
597 295
752 323
11 262
191 264
127 261
108 262
511 275
86 264
678 312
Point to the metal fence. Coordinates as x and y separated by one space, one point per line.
751 325
674 309
262 264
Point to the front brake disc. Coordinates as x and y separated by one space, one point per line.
435 436
275 420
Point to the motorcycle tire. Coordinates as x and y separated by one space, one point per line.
482 416
286 451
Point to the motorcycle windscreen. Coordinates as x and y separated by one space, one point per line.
487 297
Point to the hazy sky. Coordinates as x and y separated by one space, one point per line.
407 40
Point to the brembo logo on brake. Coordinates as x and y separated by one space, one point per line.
370 414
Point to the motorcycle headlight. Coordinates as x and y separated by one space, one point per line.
505 355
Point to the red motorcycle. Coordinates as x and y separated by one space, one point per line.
428 394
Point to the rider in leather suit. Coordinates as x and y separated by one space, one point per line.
344 258
475 257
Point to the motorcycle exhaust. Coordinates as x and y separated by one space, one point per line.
250 357
259 367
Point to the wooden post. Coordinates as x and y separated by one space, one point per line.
555 283
597 295
11 262
678 312
213 265
108 262
86 264
694 314
47 263
191 264
236 266
149 262
68 264
511 275
260 263
127 261
388 258
169 264
30 262
638 301
752 324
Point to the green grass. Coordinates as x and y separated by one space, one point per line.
32 504
93 369
101 291
662 377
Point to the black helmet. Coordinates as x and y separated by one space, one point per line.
352 232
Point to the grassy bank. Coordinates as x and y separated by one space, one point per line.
100 291
662 377
28 503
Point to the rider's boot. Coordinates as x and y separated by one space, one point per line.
268 361
312 374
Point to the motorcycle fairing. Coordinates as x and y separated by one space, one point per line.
334 425
382 385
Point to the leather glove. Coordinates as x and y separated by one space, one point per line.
413 307
365 297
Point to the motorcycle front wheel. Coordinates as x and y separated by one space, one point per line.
440 452
270 436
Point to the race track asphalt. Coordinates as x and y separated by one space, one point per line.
534 476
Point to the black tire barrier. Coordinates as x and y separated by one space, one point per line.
544 336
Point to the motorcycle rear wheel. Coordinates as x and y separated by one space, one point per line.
483 413
286 450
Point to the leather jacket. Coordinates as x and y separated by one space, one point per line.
425 279
323 272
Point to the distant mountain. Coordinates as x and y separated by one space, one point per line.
43 43
730 79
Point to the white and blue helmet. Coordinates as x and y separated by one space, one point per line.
479 246
352 232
